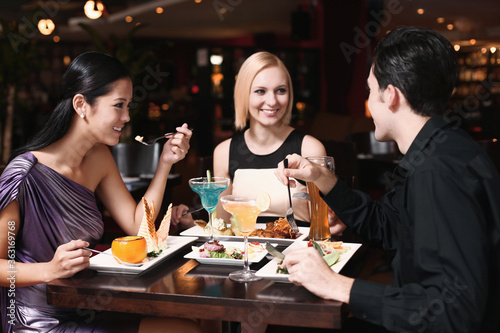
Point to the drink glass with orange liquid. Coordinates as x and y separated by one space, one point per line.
320 228
245 212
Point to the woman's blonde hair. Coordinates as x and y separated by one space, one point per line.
250 68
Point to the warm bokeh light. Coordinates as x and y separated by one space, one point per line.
300 106
56 39
484 50
197 1
440 20
46 27
165 107
420 11
449 27
456 47
128 19
216 59
472 41
493 49
93 9
159 10
66 60
195 89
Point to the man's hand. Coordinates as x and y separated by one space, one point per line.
307 268
301 168
336 225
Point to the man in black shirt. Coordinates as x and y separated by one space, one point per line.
442 215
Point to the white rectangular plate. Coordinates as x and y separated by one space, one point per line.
104 263
198 232
269 270
222 261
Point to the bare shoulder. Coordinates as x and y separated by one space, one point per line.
222 149
312 147
221 158
100 151
99 160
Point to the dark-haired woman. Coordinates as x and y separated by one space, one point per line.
48 199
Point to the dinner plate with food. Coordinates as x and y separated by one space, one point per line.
277 232
227 253
336 255
138 253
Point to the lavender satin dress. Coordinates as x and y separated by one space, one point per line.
53 210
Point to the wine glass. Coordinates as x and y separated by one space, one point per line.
209 191
245 212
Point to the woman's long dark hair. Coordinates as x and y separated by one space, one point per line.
91 74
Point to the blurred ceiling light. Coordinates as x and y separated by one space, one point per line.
440 20
56 39
159 10
93 9
420 11
449 27
456 47
472 41
197 1
483 50
216 59
129 19
67 60
46 27
493 49
300 106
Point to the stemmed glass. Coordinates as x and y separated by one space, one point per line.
209 191
245 212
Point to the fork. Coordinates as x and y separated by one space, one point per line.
110 254
289 213
153 141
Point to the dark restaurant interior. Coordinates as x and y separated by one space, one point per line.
183 56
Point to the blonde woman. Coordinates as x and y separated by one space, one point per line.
263 100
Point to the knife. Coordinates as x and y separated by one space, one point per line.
274 251
192 210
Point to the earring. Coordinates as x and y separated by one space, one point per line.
82 115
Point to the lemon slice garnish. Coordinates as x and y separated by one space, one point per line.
263 201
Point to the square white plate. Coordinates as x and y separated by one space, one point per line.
104 263
223 261
196 231
269 270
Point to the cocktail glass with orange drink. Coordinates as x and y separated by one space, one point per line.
320 228
245 212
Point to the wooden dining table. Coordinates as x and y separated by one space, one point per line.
180 287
